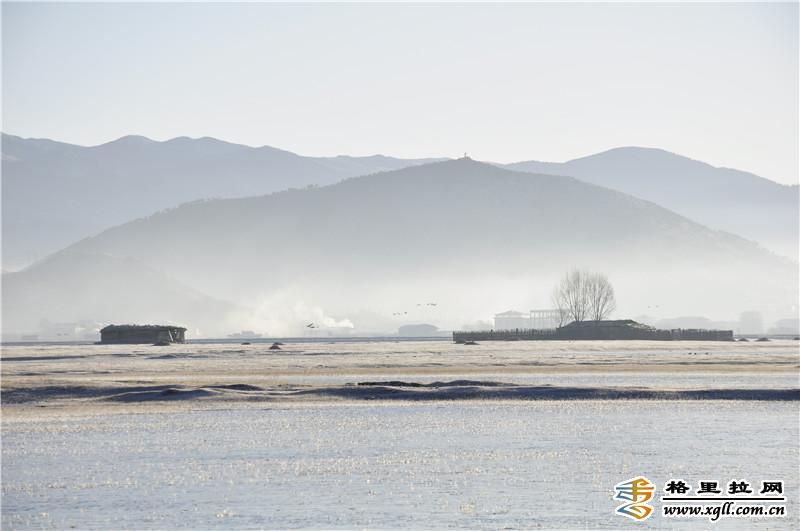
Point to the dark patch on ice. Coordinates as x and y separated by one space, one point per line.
238 387
54 392
171 393
469 390
392 383
176 355
389 390
41 358
118 393
435 385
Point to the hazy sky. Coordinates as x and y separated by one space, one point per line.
504 82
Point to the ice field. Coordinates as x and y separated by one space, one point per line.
238 437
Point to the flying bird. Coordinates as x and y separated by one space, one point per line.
311 325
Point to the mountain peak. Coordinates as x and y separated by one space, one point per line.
632 155
130 140
465 162
454 168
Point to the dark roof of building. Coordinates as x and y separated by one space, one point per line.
113 328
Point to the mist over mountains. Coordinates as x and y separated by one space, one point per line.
721 198
105 289
472 237
56 193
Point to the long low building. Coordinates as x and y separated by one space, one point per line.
625 329
538 319
138 334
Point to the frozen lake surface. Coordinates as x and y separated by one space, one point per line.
249 438
476 465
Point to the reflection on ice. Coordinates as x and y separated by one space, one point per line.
476 465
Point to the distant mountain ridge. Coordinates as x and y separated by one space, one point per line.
469 235
721 198
55 193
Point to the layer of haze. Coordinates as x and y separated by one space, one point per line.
514 82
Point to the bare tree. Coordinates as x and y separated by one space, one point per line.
601 300
570 296
563 315
559 301
582 295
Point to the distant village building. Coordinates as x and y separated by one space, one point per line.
544 319
136 334
511 320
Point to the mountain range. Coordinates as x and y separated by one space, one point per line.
55 193
444 241
721 198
